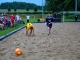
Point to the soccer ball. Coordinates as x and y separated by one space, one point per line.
18 51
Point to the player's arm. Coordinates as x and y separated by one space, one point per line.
26 31
50 23
26 27
45 21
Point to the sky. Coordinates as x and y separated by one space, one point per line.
37 2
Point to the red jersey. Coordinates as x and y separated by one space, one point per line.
12 17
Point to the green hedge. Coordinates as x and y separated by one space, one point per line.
26 12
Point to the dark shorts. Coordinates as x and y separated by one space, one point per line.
50 26
27 20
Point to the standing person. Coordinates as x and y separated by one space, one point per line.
49 17
17 19
1 23
29 26
8 23
12 20
22 20
76 18
48 22
49 26
28 17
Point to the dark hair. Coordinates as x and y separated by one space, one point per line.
27 21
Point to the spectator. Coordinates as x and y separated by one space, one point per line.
22 21
1 23
28 17
4 20
17 19
76 18
12 20
8 23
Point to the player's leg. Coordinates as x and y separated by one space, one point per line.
32 30
27 30
49 28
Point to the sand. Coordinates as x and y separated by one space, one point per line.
62 44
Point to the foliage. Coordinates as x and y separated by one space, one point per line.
78 5
35 8
26 12
67 14
60 5
69 5
9 9
54 5
15 9
27 8
18 5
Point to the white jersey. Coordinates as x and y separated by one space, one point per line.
27 17
17 17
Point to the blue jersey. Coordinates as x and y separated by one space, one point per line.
1 22
49 18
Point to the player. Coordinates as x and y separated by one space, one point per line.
49 25
48 22
29 27
28 18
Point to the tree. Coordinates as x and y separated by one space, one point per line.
15 9
54 5
78 5
27 8
9 9
59 5
69 5
35 8
18 5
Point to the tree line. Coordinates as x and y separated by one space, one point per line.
61 5
18 5
50 5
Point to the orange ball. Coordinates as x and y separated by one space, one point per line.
18 51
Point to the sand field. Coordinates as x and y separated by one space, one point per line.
62 44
